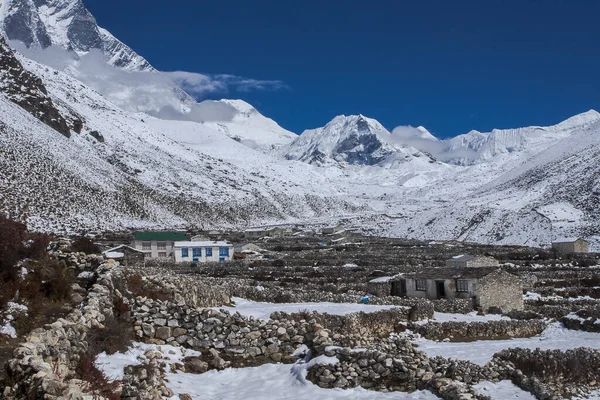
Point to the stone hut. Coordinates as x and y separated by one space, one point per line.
571 245
466 261
125 255
487 286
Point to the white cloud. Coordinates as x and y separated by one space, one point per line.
201 85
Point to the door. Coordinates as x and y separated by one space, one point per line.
441 289
399 288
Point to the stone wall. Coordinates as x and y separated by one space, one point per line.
554 374
499 290
587 319
490 330
44 365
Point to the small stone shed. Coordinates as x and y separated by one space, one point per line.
126 255
487 286
571 245
467 261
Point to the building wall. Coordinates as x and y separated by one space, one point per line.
379 289
214 258
474 263
431 289
579 246
499 289
154 251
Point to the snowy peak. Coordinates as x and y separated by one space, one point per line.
475 147
353 139
67 24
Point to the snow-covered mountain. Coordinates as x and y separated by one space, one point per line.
475 147
354 140
67 24
92 137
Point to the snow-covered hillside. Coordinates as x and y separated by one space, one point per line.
134 150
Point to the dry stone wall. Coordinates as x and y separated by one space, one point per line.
44 365
489 330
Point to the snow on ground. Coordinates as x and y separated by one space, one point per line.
113 365
261 310
481 351
271 382
471 317
503 390
6 328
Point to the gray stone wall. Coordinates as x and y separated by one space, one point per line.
490 330
499 289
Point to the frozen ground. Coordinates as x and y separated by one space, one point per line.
471 317
503 390
113 365
481 351
267 382
271 382
262 310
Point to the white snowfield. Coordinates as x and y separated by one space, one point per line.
262 310
555 337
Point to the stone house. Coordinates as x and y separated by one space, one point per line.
571 245
487 286
208 251
242 247
126 255
156 244
258 233
330 230
467 261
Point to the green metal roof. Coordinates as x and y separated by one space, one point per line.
174 236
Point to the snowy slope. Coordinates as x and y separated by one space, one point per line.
137 176
242 122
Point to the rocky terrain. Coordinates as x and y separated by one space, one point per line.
185 321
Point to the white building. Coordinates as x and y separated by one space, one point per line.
204 251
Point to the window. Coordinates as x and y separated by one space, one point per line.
223 251
147 255
161 245
462 285
184 252
197 252
162 254
146 245
221 259
420 285
208 252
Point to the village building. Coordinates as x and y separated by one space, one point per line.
206 251
488 287
571 245
126 255
241 247
156 244
330 230
258 233
467 261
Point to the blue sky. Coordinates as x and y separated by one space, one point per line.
450 66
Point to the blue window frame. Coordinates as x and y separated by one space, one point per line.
222 259
184 252
208 251
197 252
223 251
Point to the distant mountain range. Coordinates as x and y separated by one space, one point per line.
79 155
